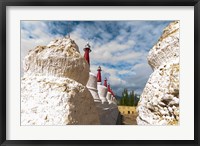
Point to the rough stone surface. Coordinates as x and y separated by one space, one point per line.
108 114
159 102
167 47
60 58
56 101
53 90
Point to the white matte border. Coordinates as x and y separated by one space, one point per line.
185 131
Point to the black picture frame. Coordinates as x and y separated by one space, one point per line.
5 3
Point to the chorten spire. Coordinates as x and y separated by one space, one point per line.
109 90
105 82
99 74
87 51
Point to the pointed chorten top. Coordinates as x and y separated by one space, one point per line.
99 68
87 46
105 82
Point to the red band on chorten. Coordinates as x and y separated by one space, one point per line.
105 82
109 90
99 74
87 51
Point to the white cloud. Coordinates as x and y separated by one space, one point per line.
117 81
33 33
130 45
121 72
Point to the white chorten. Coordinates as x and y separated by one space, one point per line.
102 90
92 86
108 97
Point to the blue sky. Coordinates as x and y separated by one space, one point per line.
119 47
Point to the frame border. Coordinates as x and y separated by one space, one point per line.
5 3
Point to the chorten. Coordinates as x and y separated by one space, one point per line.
99 75
92 81
87 52
105 82
109 95
102 90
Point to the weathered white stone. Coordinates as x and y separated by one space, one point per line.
176 112
60 58
159 102
56 101
109 115
170 109
53 90
167 47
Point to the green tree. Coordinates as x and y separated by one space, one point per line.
125 95
122 101
131 103
129 99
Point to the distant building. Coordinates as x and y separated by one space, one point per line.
127 110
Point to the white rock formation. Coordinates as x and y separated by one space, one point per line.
53 88
60 58
159 102
109 115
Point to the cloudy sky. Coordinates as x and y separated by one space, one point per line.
119 47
